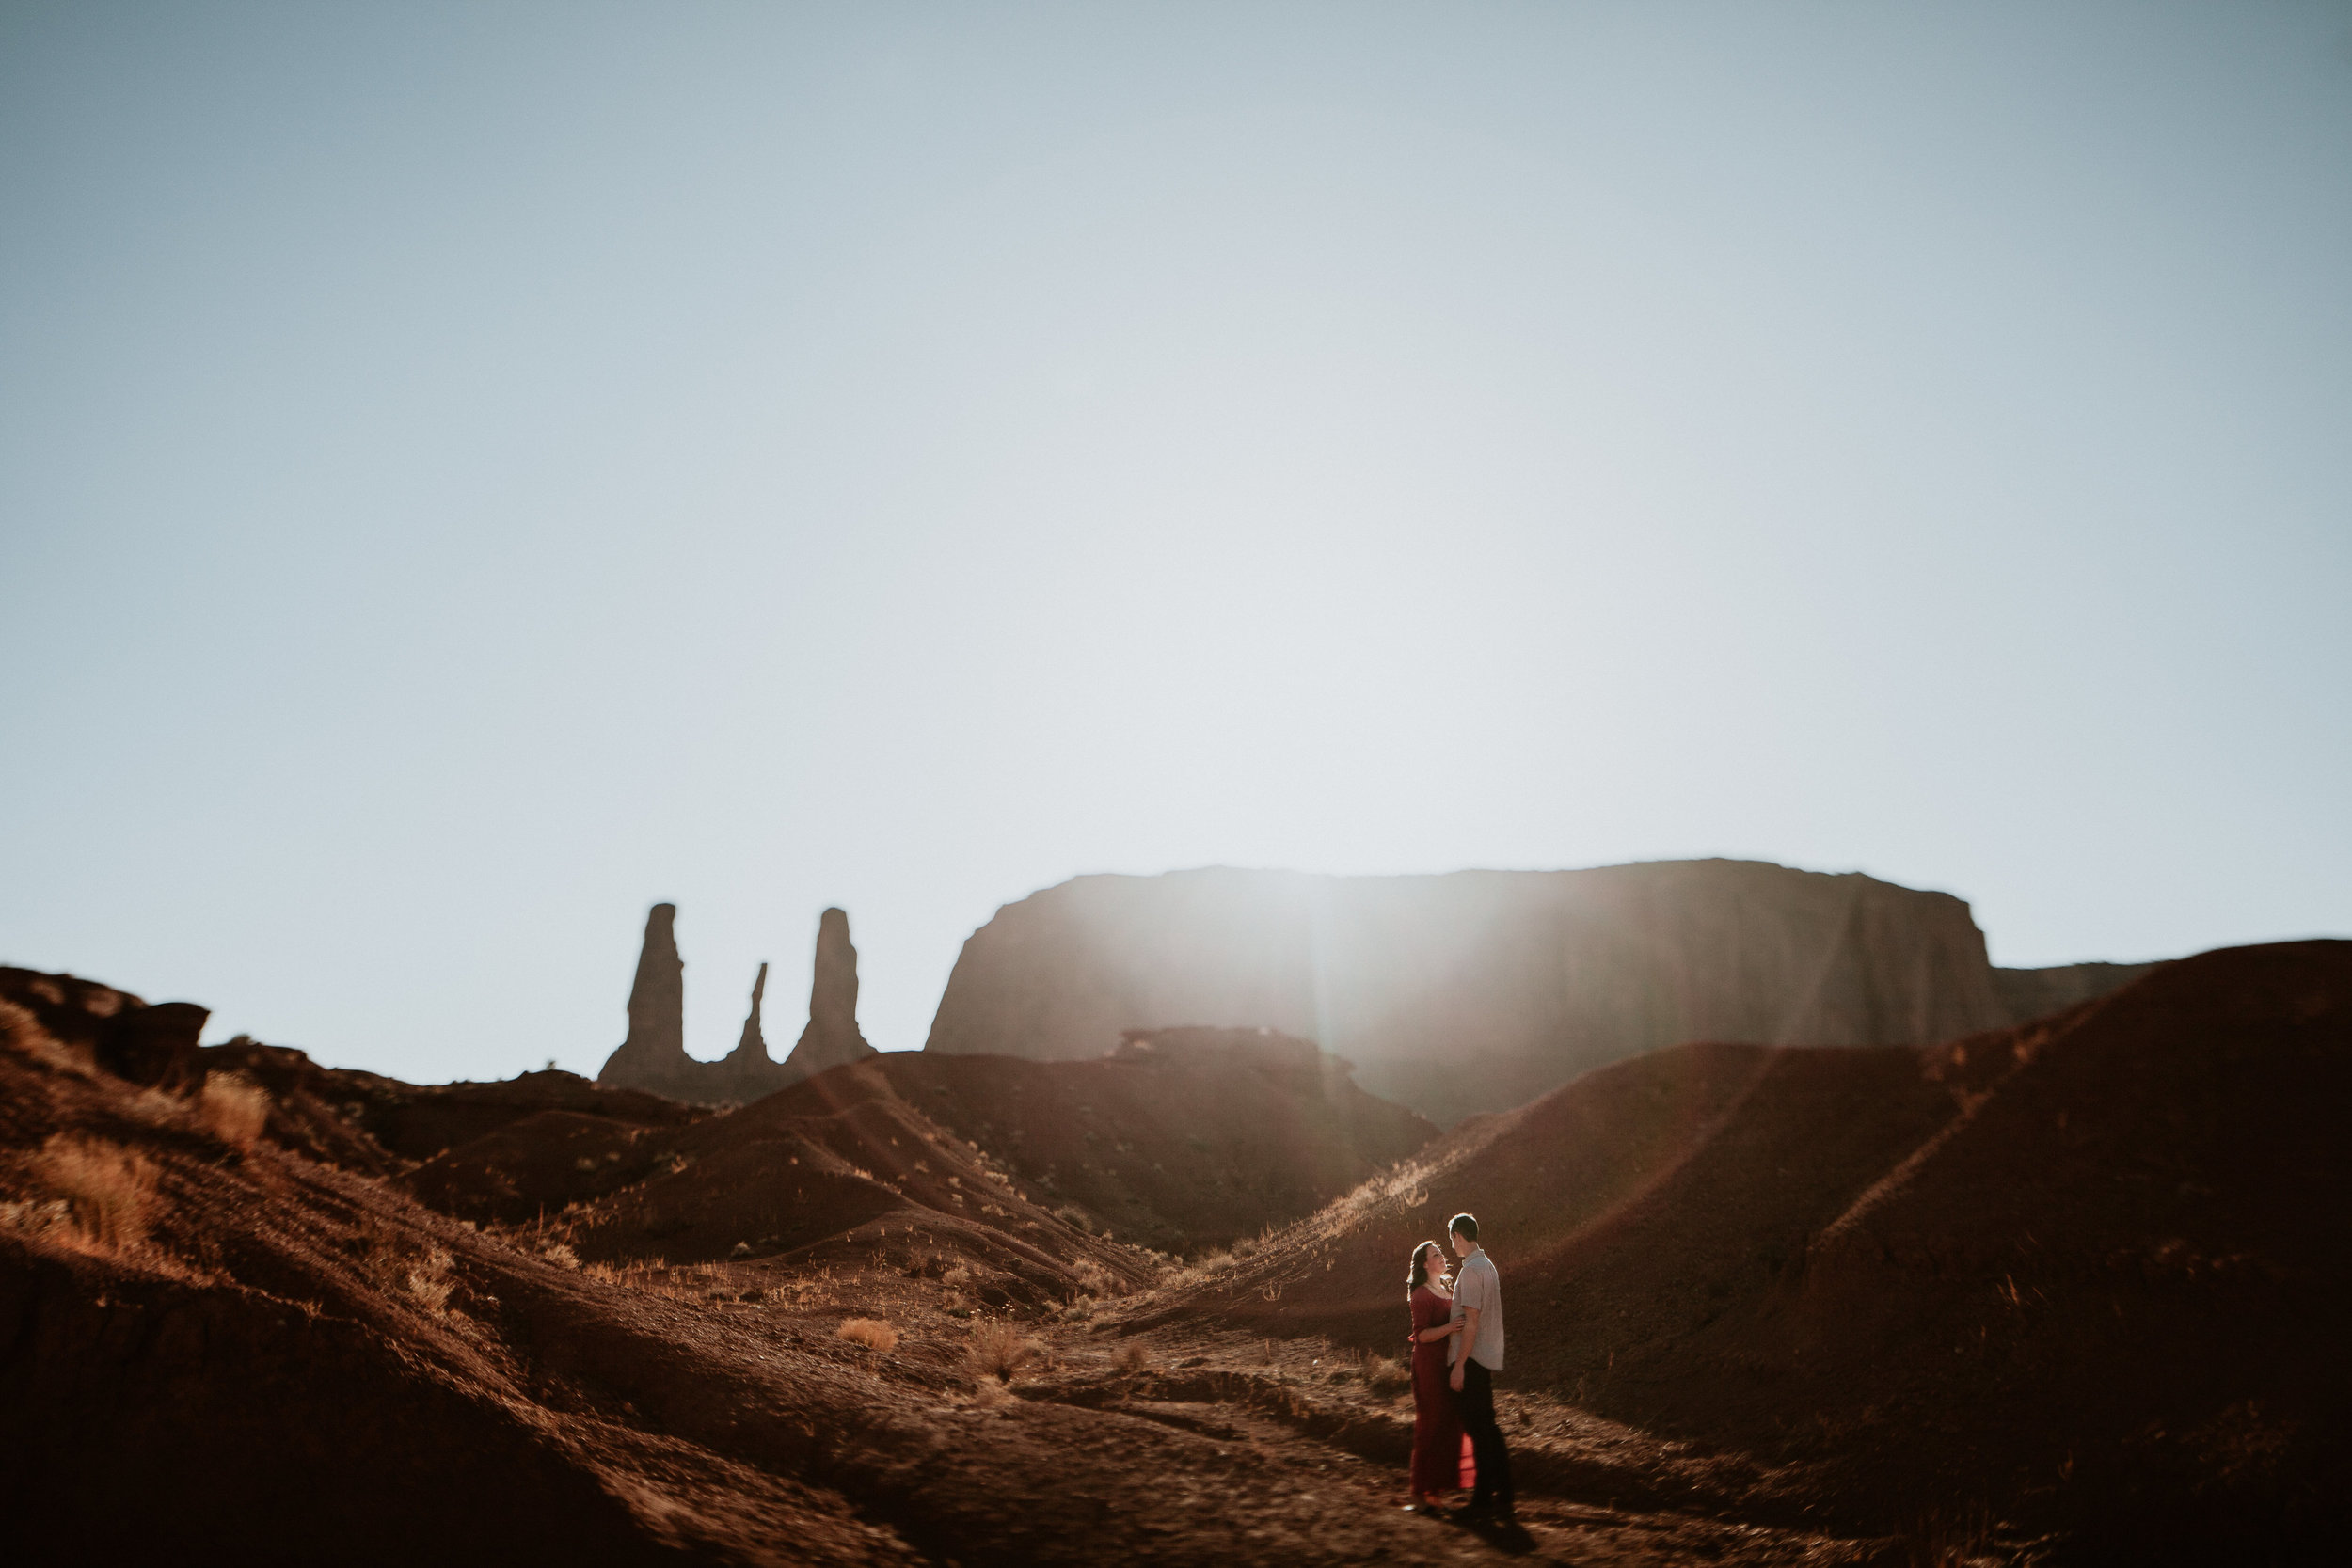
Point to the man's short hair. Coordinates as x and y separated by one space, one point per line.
1465 1225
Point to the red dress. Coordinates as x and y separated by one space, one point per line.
1441 1450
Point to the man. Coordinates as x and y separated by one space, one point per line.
1477 1355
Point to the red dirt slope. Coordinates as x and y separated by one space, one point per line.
219 1352
1020 1170
2087 1275
1184 1138
366 1122
1181 1139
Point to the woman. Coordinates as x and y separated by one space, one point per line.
1441 1453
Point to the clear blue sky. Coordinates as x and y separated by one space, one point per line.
469 472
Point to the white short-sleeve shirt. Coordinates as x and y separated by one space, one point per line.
1477 1284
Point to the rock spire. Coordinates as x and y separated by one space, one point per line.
656 1046
831 1036
654 1057
753 1045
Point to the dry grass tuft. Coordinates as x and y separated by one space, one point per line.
1386 1375
20 1032
233 1108
1133 1356
1203 1267
870 1332
956 1277
427 1280
33 1217
108 1189
999 1350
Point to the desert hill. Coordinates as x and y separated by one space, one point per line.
2064 1292
214 1349
1479 991
361 1122
1181 1141
2085 1273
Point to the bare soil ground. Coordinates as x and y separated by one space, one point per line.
2008 1301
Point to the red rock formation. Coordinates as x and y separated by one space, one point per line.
143 1042
655 1048
2030 993
832 1038
753 1045
1479 989
654 1057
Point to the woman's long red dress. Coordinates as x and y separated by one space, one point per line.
1441 1450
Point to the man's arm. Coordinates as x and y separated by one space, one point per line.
1469 1338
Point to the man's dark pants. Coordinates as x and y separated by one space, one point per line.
1476 1401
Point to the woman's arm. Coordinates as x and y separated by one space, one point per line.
1431 1336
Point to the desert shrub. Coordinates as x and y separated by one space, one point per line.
233 1108
999 1350
560 1253
1387 1376
426 1279
33 1217
1069 1214
1094 1277
957 1278
1216 1261
870 1332
20 1032
1133 1356
106 1189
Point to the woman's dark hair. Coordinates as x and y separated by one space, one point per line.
1418 1275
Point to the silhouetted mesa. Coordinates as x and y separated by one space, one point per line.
654 1057
1479 991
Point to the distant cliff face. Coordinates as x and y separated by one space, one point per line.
1476 991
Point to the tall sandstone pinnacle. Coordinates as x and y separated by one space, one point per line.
753 1047
831 1036
1479 991
656 1046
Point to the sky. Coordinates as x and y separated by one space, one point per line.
469 472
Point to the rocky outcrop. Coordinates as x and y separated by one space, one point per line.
654 1057
2038 993
753 1045
655 1049
832 1038
1476 991
144 1043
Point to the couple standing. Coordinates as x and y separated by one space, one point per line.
1457 1348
